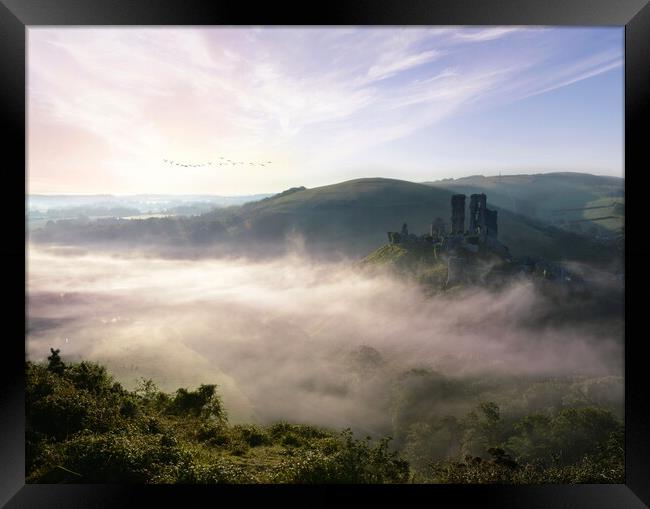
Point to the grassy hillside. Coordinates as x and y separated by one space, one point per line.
551 197
416 262
354 216
82 426
350 218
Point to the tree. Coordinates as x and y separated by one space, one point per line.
483 429
55 364
204 402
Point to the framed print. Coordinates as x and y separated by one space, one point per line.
365 249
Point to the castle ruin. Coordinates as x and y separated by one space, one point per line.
468 252
459 244
482 227
458 213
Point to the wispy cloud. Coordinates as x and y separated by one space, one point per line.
487 34
393 64
569 74
285 94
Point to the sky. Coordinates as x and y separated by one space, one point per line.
108 107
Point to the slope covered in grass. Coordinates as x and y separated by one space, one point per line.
551 197
350 218
418 262
82 426
354 216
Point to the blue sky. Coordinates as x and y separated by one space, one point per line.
107 105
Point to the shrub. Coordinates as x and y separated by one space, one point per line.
215 472
253 435
203 402
91 377
564 438
212 433
355 461
82 426
111 457
55 364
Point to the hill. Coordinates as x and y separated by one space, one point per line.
349 218
83 426
353 217
417 262
568 200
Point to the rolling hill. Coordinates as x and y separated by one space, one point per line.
567 200
354 216
349 218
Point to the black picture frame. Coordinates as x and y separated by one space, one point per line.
17 15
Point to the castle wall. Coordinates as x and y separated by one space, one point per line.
437 227
491 223
477 208
458 213
455 270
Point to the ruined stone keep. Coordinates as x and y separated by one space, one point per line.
482 221
491 223
481 234
458 213
477 206
438 227
462 249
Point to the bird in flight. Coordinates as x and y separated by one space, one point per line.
222 161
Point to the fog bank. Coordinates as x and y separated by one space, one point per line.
296 339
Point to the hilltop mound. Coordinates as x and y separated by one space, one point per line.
350 219
416 262
353 217
569 200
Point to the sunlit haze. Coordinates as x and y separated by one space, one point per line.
325 255
108 106
275 334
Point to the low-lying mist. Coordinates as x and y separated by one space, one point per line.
302 340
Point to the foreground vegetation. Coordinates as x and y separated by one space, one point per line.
84 427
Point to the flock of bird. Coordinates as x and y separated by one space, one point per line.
222 162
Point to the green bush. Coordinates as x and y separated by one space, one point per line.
84 427
355 462
59 405
564 438
295 435
203 402
109 458
253 435
92 378
217 472
589 470
55 364
213 434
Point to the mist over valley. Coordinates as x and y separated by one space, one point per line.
326 343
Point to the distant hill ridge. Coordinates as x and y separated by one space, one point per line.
546 196
352 217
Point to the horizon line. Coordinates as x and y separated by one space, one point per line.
322 185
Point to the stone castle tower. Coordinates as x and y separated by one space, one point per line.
458 213
482 220
477 206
